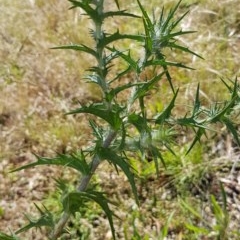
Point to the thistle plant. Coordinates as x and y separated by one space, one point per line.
123 127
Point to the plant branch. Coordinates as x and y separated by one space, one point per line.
57 231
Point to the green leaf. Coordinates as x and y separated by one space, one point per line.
76 161
4 236
156 154
191 209
231 129
217 114
112 157
97 79
160 118
77 47
121 13
195 229
162 62
75 200
92 13
197 102
138 121
144 88
117 36
197 138
224 197
218 212
149 29
45 220
184 49
164 230
132 63
146 17
101 110
113 92
97 131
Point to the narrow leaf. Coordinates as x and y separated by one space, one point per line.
93 13
121 13
77 47
75 200
231 129
146 17
144 89
195 229
117 36
76 161
110 115
112 157
138 121
197 103
163 63
185 49
45 219
197 138
160 118
132 63
190 209
4 236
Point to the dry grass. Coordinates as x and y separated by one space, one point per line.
38 85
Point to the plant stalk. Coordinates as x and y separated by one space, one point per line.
57 231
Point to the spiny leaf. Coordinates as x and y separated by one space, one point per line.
197 103
156 154
197 138
162 62
75 200
175 23
4 236
179 33
220 113
122 13
149 29
231 129
160 118
101 110
92 13
45 219
77 47
132 63
97 79
185 49
146 17
113 92
97 131
170 16
112 157
117 36
144 89
76 161
138 121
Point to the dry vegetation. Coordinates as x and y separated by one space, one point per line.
39 85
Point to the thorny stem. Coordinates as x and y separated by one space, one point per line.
111 136
82 186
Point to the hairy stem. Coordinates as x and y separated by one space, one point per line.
57 231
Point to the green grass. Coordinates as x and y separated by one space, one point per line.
39 85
